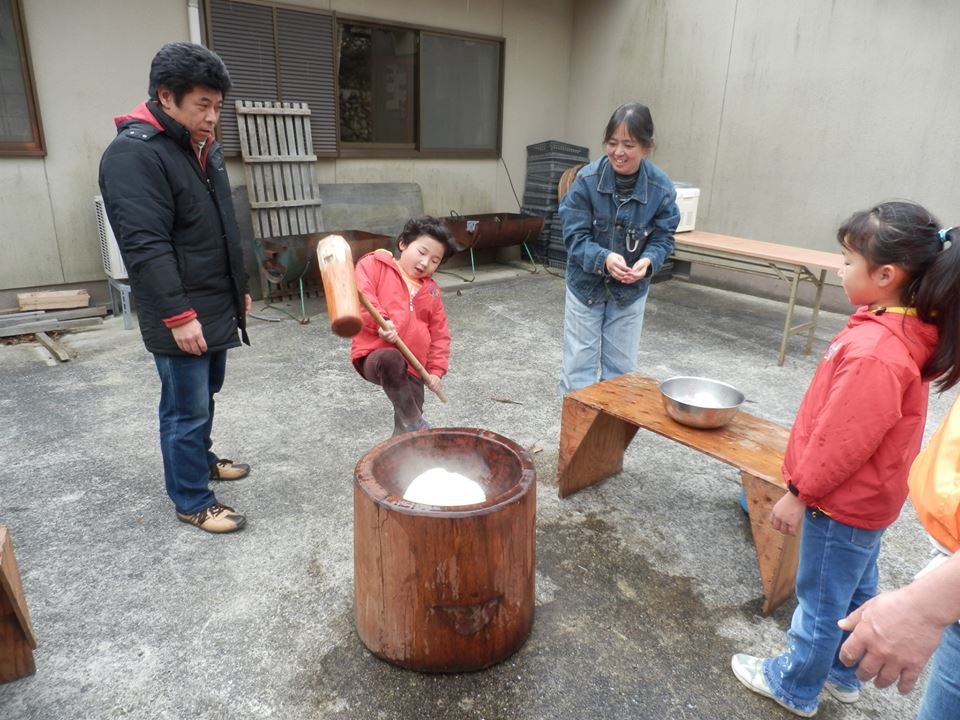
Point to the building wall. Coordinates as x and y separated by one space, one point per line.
788 116
91 62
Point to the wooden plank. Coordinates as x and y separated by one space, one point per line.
47 325
19 318
55 348
272 205
35 315
17 639
762 250
270 124
292 186
259 109
10 580
50 299
280 158
28 327
87 312
592 444
748 442
777 554
278 137
78 323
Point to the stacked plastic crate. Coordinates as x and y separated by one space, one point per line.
546 162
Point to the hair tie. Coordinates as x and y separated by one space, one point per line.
942 234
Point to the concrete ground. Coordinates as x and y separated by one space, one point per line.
646 583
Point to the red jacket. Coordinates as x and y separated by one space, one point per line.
420 322
861 421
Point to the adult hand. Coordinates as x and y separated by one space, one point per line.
787 514
892 638
389 333
617 266
189 337
638 271
433 383
247 304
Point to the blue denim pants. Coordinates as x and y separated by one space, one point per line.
836 574
187 386
941 699
603 336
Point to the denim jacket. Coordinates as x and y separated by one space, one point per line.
594 225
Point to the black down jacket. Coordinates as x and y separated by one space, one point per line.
176 229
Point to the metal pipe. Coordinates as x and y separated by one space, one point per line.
193 20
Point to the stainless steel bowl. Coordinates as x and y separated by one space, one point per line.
700 402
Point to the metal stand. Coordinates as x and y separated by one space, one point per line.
473 265
120 290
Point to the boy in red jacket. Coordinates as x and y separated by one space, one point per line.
404 292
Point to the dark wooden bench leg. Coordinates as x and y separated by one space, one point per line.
777 554
16 633
591 446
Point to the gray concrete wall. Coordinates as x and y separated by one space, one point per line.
91 61
789 116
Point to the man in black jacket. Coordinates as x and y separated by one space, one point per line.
166 193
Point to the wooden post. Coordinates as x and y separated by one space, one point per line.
777 554
17 640
444 589
592 444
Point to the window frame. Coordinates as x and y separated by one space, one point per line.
35 147
375 150
387 150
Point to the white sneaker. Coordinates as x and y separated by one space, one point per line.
749 671
842 693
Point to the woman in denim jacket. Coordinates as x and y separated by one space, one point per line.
618 218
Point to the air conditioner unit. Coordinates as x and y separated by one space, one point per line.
109 250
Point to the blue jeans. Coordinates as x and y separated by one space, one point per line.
836 574
941 699
602 336
187 386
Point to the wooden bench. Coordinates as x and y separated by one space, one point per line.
791 264
599 422
17 640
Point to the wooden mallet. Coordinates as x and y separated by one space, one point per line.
340 290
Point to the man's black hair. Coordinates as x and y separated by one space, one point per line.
180 66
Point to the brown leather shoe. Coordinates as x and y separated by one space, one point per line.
229 470
215 519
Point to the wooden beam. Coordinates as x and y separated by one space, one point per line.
50 299
30 328
16 633
55 348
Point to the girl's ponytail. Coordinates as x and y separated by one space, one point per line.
937 300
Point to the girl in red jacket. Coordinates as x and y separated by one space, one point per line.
403 291
858 429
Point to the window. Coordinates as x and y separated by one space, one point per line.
277 54
20 132
460 91
374 90
377 83
407 92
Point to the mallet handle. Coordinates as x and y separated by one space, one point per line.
401 346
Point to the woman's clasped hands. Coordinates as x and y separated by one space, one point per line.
622 272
